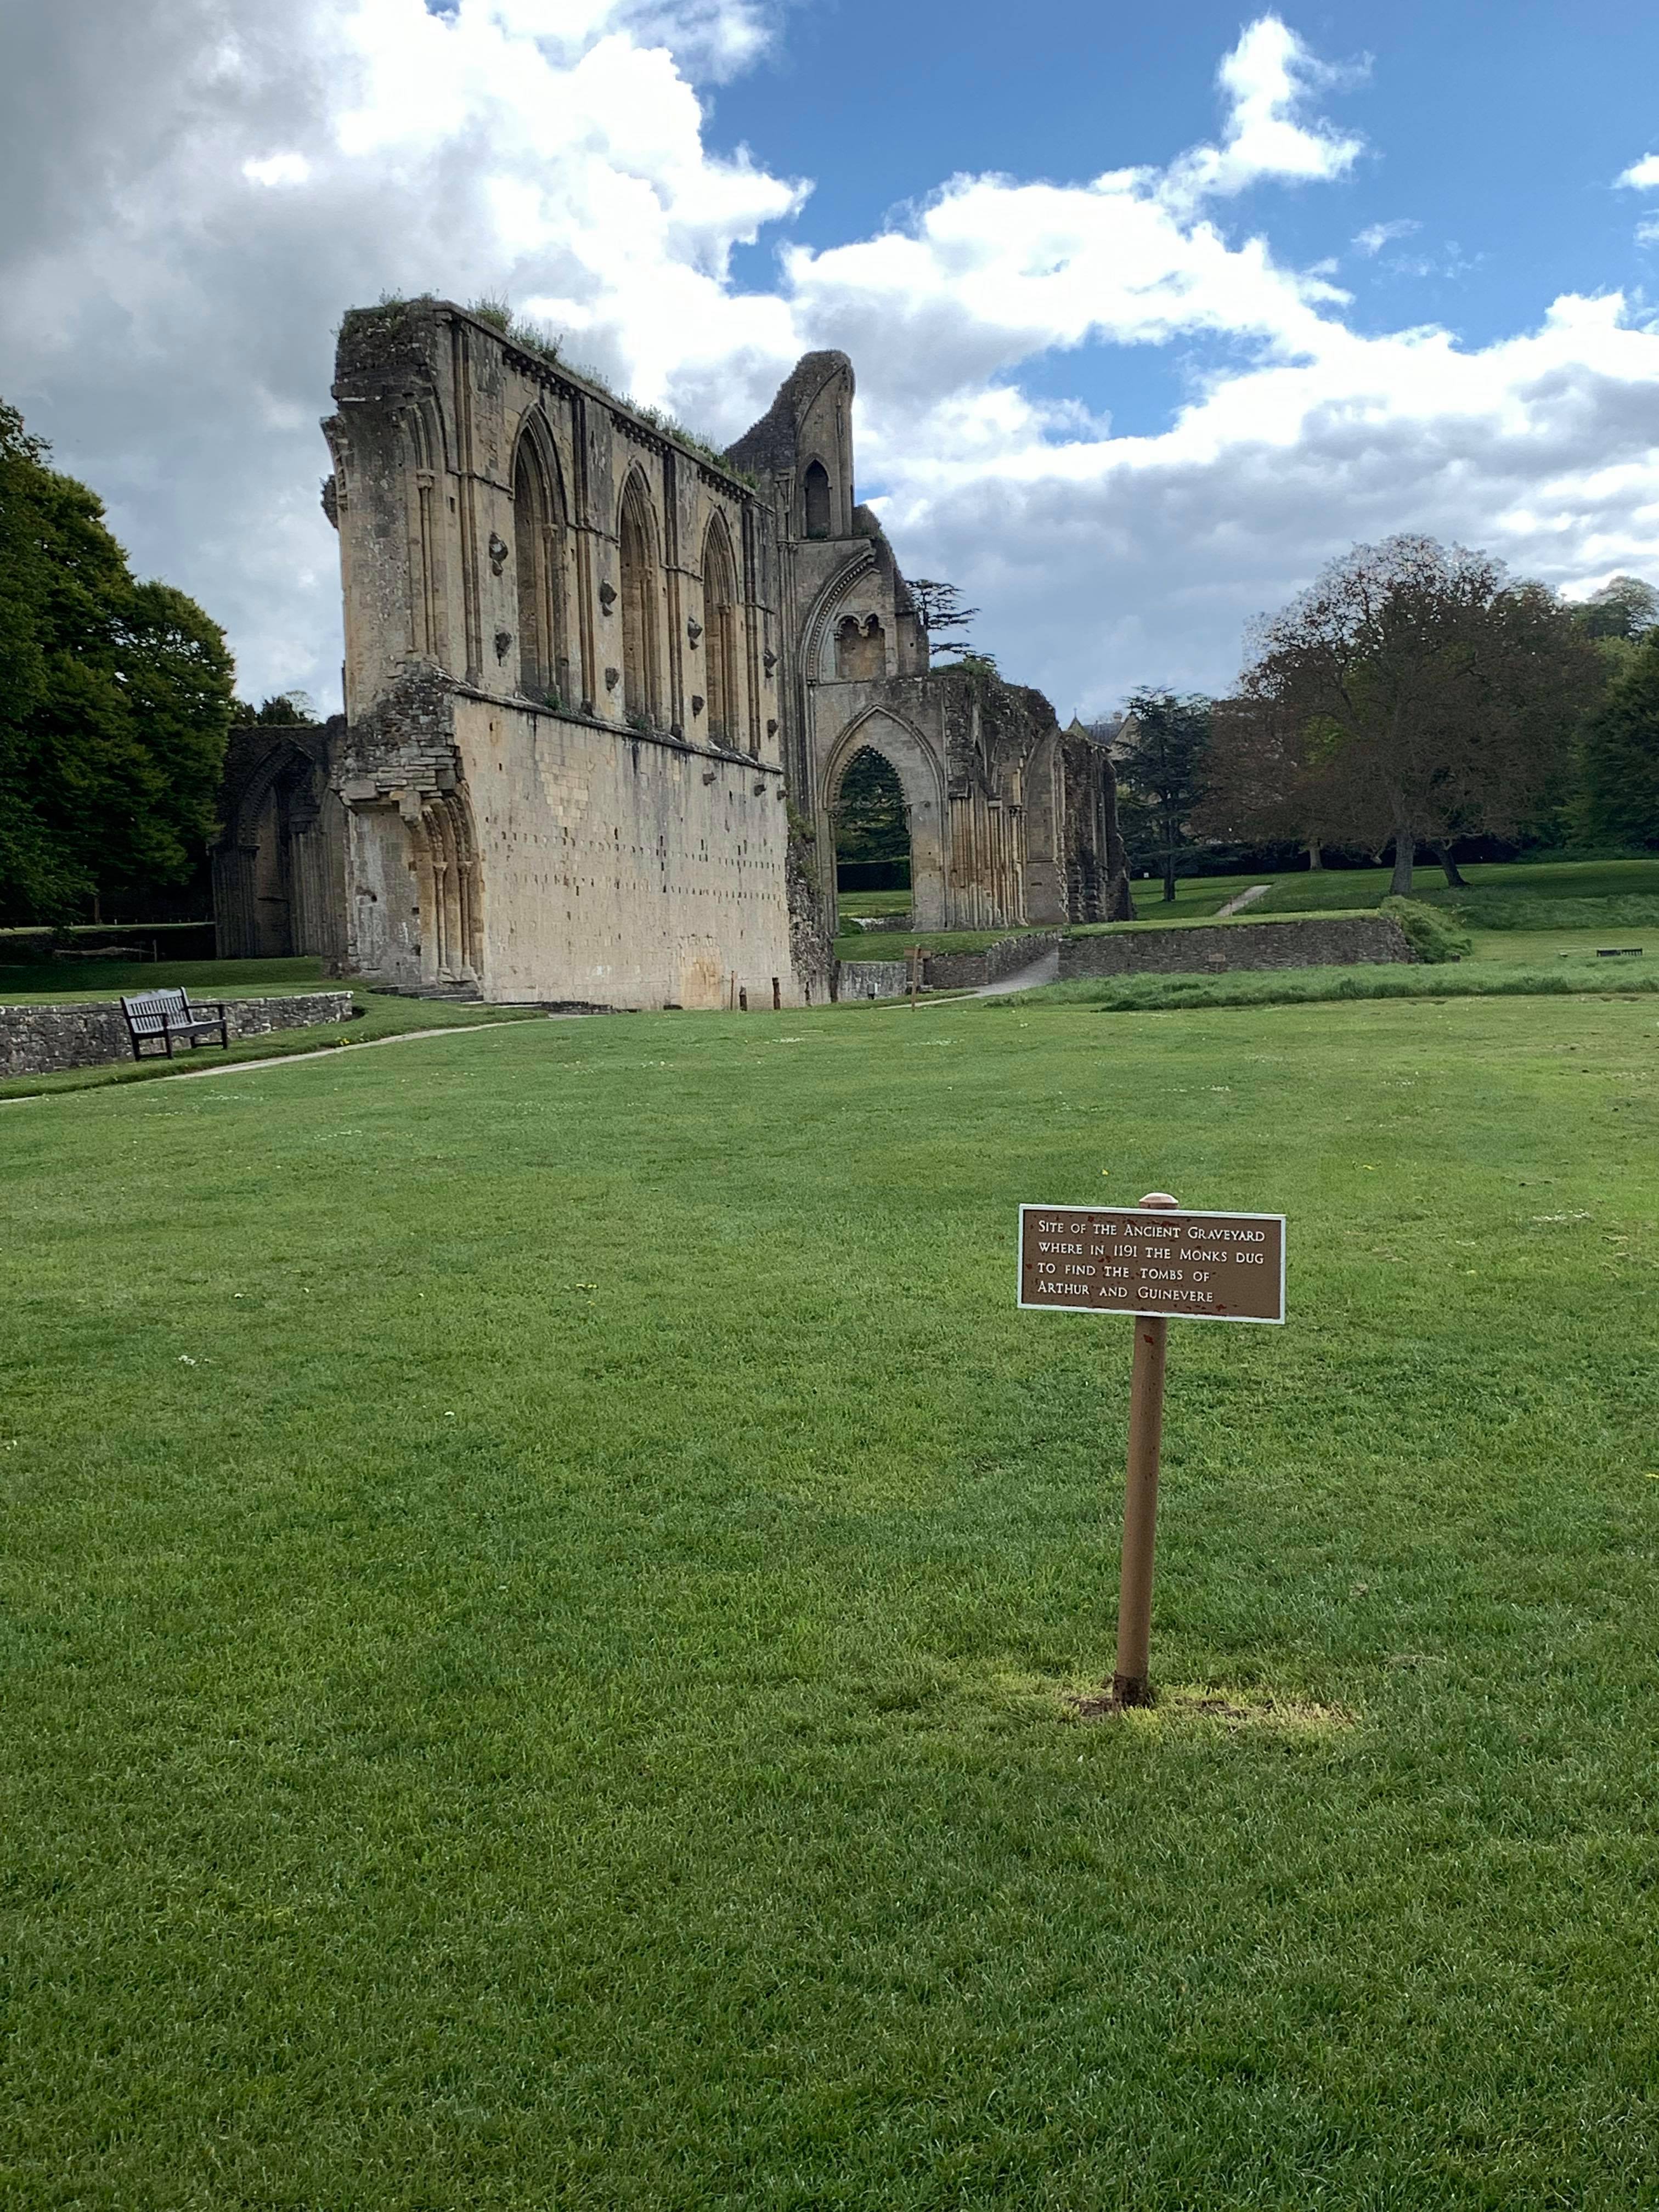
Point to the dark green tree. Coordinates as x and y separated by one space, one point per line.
871 821
286 710
1624 607
1418 697
115 702
940 612
1162 756
1619 761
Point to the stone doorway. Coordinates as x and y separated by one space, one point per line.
884 806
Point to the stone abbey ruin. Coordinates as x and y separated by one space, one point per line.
602 686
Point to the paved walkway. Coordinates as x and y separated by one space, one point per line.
288 1059
1245 898
1043 970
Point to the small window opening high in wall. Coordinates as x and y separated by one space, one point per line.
815 488
873 839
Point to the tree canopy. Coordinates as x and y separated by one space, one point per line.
115 701
287 710
1162 762
1413 695
1625 607
871 820
939 611
1619 762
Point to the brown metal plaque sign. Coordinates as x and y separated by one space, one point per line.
1146 1260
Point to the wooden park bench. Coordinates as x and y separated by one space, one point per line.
167 1018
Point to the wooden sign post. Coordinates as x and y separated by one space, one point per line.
1151 1260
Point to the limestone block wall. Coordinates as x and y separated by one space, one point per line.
1319 942
622 868
972 971
38 1040
870 979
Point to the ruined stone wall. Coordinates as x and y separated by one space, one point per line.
562 765
37 1040
1227 945
642 871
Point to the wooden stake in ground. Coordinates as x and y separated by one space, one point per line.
1131 1682
1153 1262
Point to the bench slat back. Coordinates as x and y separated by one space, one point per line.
147 1011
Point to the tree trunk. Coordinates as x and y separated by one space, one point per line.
1452 874
1168 877
1316 858
1405 852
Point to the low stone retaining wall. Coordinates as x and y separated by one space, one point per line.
1349 940
870 979
972 971
945 971
39 1040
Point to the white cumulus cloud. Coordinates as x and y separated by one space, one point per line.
1268 79
198 188
1642 176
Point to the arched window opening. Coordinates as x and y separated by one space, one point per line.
861 648
538 558
640 690
817 490
720 617
872 838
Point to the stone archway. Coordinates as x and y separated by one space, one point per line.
918 772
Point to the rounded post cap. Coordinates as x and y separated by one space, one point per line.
1159 1198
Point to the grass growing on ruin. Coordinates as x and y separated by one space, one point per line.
541 1588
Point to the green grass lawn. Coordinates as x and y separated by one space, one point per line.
869 903
377 1016
1525 885
62 983
544 1573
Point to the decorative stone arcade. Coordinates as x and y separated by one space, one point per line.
587 662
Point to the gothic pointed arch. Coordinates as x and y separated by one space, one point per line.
815 500
921 781
642 592
722 647
540 555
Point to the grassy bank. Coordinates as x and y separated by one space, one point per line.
1582 975
541 1594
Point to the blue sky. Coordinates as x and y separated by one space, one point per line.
1496 130
1154 310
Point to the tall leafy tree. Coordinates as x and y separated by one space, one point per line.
1619 756
940 612
115 702
1418 697
1625 607
1162 762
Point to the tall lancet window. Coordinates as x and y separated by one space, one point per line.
538 559
641 661
720 600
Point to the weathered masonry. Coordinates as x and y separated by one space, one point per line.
602 685
1011 819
